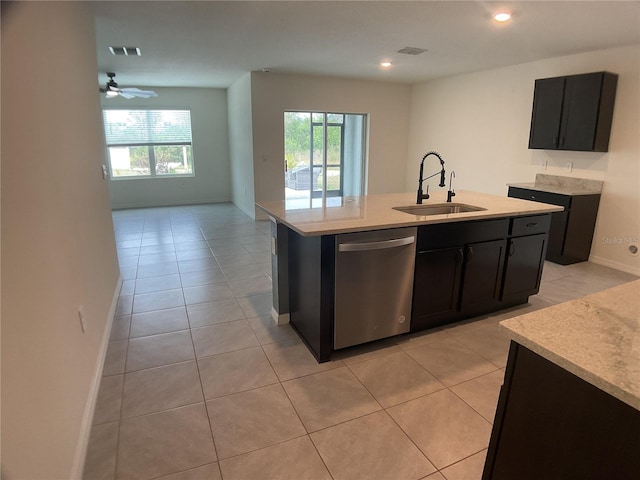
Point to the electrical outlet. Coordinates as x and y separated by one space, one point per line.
543 165
105 172
83 319
568 166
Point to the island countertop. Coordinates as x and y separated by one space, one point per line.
597 338
375 212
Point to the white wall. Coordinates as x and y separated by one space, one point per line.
58 248
241 145
386 103
211 182
480 124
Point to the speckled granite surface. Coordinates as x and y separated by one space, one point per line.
375 212
596 337
562 185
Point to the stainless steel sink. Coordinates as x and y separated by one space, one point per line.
438 209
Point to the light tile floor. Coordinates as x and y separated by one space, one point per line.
199 383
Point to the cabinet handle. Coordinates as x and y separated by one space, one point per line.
460 256
532 224
469 253
512 249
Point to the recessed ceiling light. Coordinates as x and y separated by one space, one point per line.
502 17
385 64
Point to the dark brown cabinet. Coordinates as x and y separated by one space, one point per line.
459 271
571 231
552 424
524 266
573 112
436 286
484 263
525 256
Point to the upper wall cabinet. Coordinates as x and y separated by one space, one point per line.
574 112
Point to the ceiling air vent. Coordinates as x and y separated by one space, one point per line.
412 50
126 51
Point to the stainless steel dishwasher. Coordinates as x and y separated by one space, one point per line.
374 284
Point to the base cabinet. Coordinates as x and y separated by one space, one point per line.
552 425
462 280
523 269
484 263
571 231
467 269
436 287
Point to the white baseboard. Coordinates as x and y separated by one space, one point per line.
87 418
623 267
279 318
179 203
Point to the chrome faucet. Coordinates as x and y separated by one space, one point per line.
451 193
423 196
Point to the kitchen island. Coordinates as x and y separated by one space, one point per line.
466 263
570 404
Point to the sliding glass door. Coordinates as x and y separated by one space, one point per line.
324 155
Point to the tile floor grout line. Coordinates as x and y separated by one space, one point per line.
206 407
411 439
460 461
470 406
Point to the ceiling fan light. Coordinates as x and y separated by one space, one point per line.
112 93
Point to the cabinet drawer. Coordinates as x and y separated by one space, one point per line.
444 235
539 196
530 225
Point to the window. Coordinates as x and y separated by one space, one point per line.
148 143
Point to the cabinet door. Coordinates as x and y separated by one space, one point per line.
580 111
547 112
436 287
525 258
482 276
557 234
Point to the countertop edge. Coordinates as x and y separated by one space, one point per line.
388 218
431 220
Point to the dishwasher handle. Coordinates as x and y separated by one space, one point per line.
364 246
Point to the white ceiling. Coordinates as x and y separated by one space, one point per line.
212 44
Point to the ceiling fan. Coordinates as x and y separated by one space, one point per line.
112 90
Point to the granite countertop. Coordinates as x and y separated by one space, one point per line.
375 212
562 185
597 338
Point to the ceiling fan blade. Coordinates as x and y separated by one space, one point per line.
126 94
136 92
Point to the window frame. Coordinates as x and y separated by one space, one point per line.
150 147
